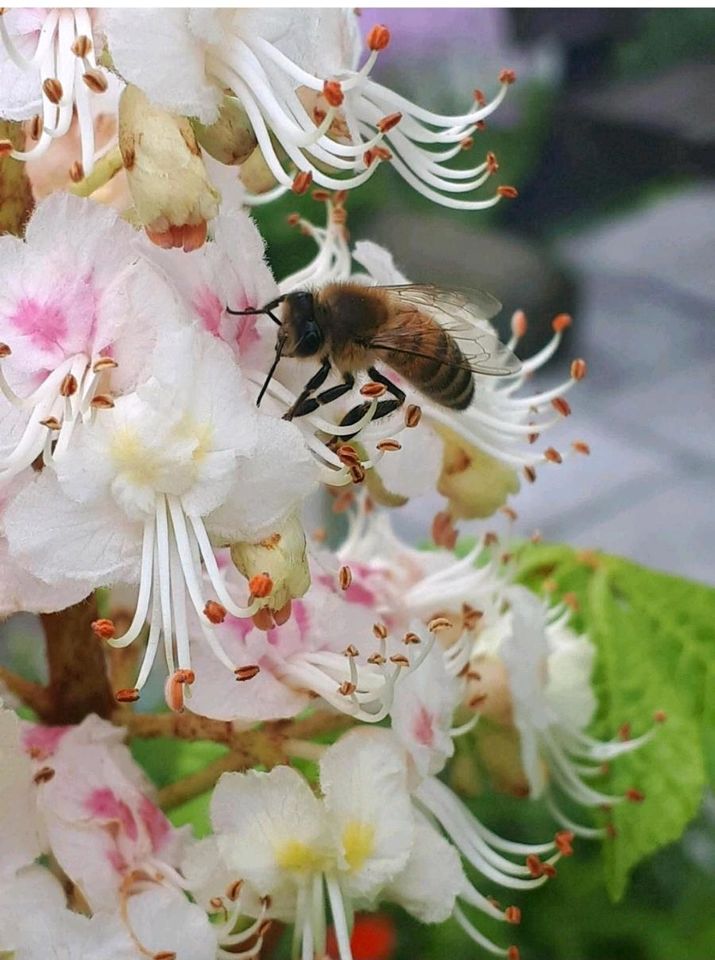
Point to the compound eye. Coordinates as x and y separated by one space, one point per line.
311 341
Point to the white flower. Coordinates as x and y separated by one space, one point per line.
334 646
184 459
535 673
21 838
79 313
296 75
48 70
497 423
287 844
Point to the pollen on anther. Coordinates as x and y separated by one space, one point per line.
492 162
214 611
660 716
248 672
410 639
507 76
578 446
104 628
518 324
564 842
351 651
68 387
347 688
372 389
345 577
375 153
95 80
52 88
634 795
553 455
378 38
578 369
480 98
44 775
102 401
561 406
82 46
52 423
389 445
387 123
513 953
301 183
380 631
260 585
5 351
467 143
438 624
560 322
508 192
104 363
413 415
357 473
127 695
376 659
76 172
333 92
512 915
400 660
347 454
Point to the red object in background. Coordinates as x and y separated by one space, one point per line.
374 938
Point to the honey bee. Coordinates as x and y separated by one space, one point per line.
433 338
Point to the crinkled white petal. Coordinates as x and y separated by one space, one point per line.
364 781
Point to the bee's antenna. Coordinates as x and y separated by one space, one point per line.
280 343
259 311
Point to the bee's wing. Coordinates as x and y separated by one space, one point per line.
464 314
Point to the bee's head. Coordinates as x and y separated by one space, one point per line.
302 332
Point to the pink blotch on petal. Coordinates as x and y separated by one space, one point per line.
117 861
105 805
156 824
210 310
44 323
247 335
423 727
42 742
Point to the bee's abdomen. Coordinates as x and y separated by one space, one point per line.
443 377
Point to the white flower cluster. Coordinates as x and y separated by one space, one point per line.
146 449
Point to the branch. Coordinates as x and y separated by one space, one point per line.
200 782
33 695
79 684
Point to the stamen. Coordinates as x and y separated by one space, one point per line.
247 672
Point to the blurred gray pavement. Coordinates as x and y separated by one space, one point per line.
646 326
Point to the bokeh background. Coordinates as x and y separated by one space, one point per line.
609 135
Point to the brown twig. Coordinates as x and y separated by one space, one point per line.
77 666
33 695
200 782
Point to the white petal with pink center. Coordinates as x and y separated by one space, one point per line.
184 459
79 319
327 648
296 74
49 70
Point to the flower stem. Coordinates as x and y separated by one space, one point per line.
104 169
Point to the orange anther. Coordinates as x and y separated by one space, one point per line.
333 92
560 322
510 193
578 369
260 585
553 455
127 695
214 611
378 38
301 183
507 76
104 628
561 406
248 672
512 915
345 577
388 122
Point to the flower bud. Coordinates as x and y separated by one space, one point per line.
255 174
499 752
280 559
475 483
230 139
173 197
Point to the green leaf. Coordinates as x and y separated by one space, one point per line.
166 760
656 651
196 813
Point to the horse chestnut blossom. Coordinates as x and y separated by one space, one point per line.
531 672
481 447
49 71
297 77
78 318
179 461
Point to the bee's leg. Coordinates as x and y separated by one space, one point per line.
305 403
383 408
390 386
